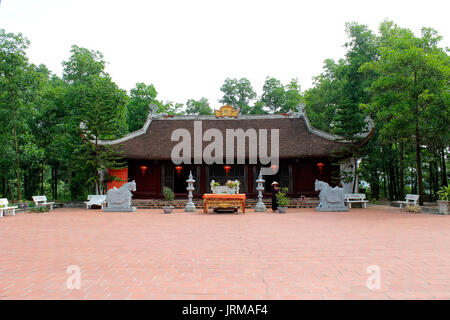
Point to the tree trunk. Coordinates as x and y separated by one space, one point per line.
436 176
397 178
8 187
376 185
444 170
51 181
16 144
431 182
56 182
391 182
402 170
355 175
419 163
418 150
4 186
42 178
25 183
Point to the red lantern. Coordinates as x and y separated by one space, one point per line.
227 169
178 168
143 169
320 166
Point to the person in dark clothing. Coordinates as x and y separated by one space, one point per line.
275 191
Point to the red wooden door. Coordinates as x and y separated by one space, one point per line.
148 181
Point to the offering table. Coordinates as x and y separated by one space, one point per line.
223 201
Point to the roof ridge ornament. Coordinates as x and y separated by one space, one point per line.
227 111
300 113
153 109
153 112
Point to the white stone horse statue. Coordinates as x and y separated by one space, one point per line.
121 198
331 199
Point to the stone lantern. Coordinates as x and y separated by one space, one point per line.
190 206
260 206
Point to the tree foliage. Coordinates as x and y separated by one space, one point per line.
198 107
238 93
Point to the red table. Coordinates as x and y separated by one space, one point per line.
223 201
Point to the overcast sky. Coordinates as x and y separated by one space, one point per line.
188 48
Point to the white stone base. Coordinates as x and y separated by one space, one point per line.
260 207
117 209
335 209
190 208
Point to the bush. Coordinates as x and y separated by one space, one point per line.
40 209
411 208
444 193
282 199
168 194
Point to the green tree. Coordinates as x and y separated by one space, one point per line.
294 96
100 106
18 84
277 97
141 97
238 93
412 83
274 95
198 107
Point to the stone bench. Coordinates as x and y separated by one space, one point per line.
4 207
42 201
356 198
410 199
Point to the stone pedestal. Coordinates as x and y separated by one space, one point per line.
332 209
117 209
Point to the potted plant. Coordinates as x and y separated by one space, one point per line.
214 186
444 199
233 185
282 200
168 197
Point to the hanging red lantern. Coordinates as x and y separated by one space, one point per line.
143 169
227 169
178 168
320 166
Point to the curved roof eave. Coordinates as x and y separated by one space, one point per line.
300 113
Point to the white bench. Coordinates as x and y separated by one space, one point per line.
356 198
42 201
409 199
96 199
4 207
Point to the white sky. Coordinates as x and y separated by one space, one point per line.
187 48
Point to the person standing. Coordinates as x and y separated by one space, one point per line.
275 190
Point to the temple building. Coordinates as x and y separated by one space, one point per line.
295 152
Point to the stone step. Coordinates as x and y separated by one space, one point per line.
250 203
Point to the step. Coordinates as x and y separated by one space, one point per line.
250 203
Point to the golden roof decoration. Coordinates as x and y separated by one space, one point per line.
227 111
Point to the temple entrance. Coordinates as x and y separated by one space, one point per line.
179 181
217 173
176 179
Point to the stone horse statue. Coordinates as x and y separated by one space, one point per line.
120 199
331 199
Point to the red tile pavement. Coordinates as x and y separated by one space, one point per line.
303 254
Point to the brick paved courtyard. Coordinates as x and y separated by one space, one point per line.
299 255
